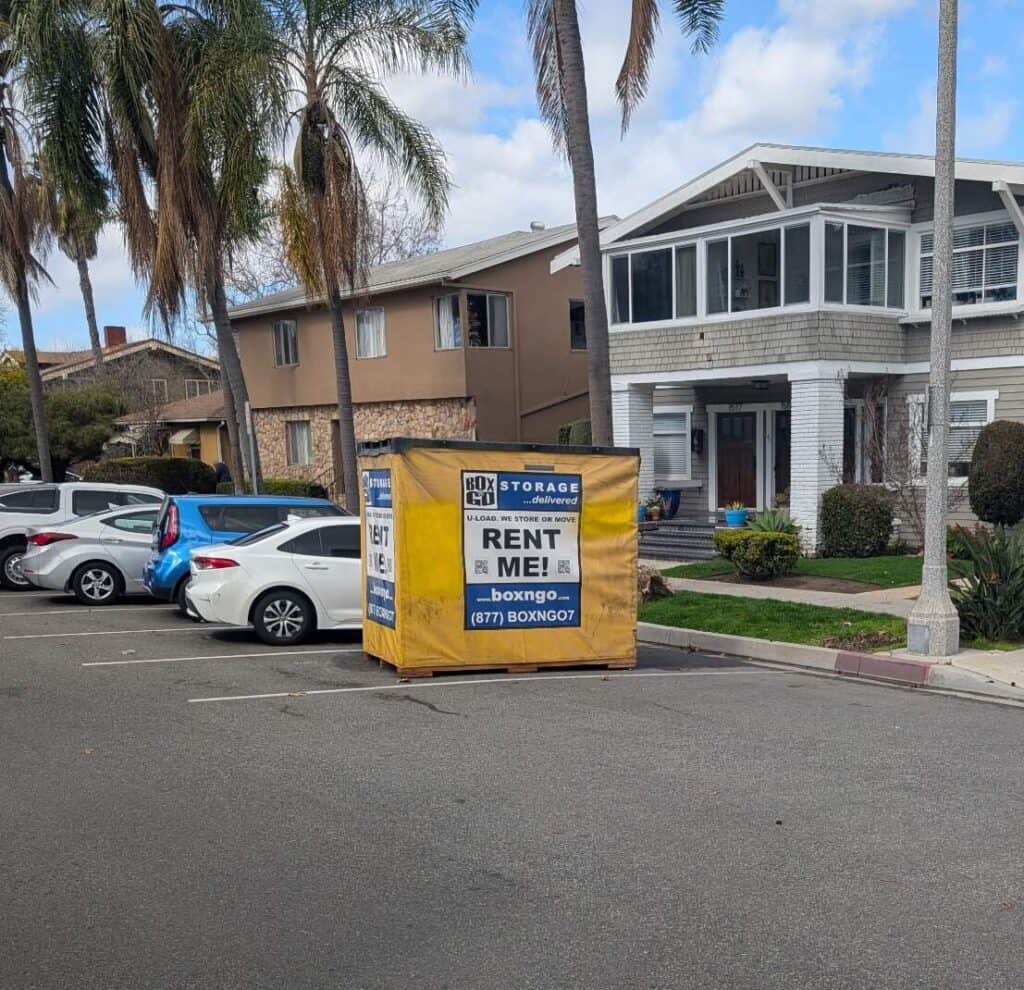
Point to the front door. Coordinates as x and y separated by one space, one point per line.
736 452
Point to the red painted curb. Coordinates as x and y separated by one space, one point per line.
913 672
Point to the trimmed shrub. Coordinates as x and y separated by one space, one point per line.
291 487
996 477
577 433
758 555
174 475
856 521
990 599
773 521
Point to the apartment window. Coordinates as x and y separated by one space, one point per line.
968 413
370 342
447 323
756 271
577 325
798 264
158 389
686 281
718 276
195 387
487 319
984 264
299 441
286 344
672 443
860 261
620 289
651 285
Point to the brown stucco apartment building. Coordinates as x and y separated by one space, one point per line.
477 342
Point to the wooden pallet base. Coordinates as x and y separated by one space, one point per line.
408 673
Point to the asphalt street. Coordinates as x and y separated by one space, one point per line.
183 807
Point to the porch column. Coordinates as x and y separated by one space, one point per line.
633 426
816 448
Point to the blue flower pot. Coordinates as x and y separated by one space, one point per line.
641 513
735 518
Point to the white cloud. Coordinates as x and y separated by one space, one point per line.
994 66
984 132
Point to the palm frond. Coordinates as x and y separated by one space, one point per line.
631 84
700 20
542 30
298 233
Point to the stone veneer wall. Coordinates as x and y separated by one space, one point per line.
450 419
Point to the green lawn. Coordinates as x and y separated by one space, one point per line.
884 572
787 622
988 644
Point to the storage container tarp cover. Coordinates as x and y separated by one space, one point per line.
479 553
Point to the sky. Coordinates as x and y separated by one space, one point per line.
856 74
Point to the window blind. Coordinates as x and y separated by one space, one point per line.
671 445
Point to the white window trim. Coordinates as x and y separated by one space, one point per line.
508 320
676 409
437 323
383 333
161 384
764 449
289 449
917 451
207 382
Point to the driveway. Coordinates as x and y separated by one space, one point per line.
183 807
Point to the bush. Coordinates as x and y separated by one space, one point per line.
174 475
773 521
996 477
990 599
293 487
758 555
856 521
956 546
576 433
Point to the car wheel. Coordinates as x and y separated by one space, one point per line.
282 618
11 577
179 596
97 584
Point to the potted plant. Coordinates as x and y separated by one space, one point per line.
653 505
735 515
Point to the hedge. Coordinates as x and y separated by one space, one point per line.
577 433
757 554
293 487
173 475
856 521
996 477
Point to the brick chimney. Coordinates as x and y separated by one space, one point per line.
114 337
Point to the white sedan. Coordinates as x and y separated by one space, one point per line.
286 581
99 557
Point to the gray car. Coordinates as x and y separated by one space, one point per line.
98 557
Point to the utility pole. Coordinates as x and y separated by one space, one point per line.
934 626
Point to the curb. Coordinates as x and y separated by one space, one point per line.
889 670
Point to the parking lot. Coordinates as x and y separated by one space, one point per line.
182 806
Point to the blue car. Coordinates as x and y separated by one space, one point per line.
187 522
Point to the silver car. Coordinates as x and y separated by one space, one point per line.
98 557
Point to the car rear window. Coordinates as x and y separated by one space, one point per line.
259 535
31 500
251 518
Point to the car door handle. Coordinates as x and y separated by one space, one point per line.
316 567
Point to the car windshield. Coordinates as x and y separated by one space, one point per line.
262 534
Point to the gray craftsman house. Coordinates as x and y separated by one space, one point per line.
770 326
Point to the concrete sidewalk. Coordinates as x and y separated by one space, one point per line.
893 601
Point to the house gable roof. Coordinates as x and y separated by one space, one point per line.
736 177
207 408
84 362
448 265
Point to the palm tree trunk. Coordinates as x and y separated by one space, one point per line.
35 381
584 184
231 371
234 450
85 283
346 413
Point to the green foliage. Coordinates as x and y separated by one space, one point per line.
174 475
773 521
758 555
990 599
996 477
956 547
576 433
856 521
292 487
81 421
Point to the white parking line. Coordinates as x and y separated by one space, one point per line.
222 656
93 610
126 632
533 678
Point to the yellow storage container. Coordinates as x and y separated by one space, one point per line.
482 556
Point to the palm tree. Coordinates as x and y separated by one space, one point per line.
561 83
335 51
77 239
194 95
23 233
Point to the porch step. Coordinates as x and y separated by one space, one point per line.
677 539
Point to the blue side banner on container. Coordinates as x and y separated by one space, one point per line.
521 549
379 543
